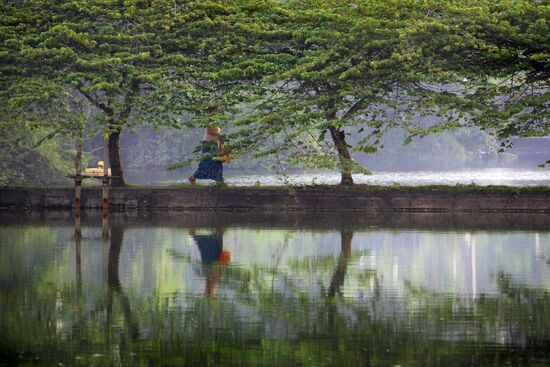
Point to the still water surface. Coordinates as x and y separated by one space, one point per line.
482 176
274 291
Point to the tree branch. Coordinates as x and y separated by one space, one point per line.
109 111
354 108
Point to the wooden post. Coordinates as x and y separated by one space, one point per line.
105 203
77 227
77 192
105 232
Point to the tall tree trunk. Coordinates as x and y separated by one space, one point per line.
339 139
79 141
114 160
114 137
78 172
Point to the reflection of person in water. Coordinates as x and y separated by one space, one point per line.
213 257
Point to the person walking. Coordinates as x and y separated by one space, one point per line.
211 167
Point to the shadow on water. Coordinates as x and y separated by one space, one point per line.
190 288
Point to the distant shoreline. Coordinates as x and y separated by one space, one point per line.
318 198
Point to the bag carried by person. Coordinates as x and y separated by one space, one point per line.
225 156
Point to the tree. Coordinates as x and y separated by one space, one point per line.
241 43
364 65
107 51
34 104
514 59
500 52
137 61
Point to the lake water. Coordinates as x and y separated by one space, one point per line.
274 289
482 176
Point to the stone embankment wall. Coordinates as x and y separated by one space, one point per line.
288 199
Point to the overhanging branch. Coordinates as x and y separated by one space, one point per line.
101 106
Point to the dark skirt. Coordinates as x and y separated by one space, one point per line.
210 247
210 169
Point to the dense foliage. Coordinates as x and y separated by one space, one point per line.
314 81
503 59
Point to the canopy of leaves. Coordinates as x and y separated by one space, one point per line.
370 63
283 73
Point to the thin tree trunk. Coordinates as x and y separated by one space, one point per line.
339 139
79 141
114 160
106 186
78 172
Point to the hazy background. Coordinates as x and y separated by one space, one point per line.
461 156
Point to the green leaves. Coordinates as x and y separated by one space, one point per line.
283 72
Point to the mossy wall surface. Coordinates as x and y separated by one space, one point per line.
429 199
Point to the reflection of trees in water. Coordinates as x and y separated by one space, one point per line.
418 328
113 237
115 287
340 272
257 322
78 253
339 276
54 322
526 306
286 309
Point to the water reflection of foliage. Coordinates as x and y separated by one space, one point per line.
255 322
